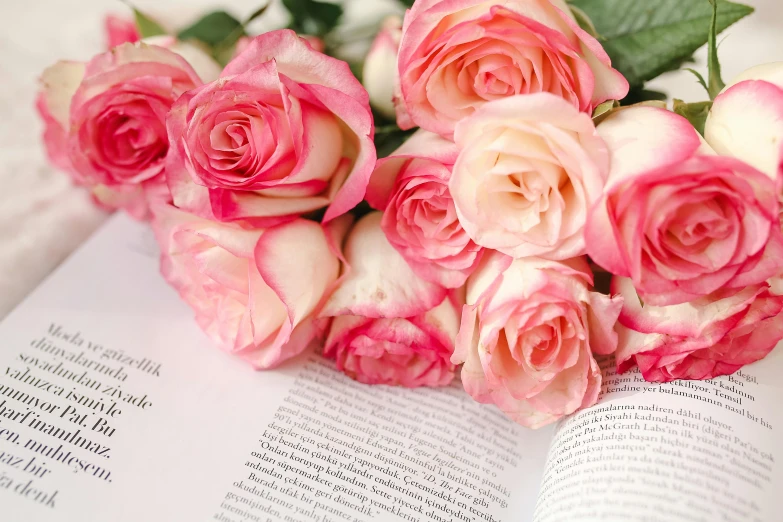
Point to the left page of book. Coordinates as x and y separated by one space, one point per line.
114 406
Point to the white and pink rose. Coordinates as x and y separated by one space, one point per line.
704 338
529 169
285 130
528 335
420 221
679 220
105 119
385 325
379 74
254 292
456 55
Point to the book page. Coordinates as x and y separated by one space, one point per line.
114 406
685 451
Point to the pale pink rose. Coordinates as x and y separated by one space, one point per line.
379 74
105 120
286 130
528 170
205 66
455 55
119 31
528 335
677 219
710 336
137 200
314 42
53 105
746 122
746 119
420 221
386 325
254 291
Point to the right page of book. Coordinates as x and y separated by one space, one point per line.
684 451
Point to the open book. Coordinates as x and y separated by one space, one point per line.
115 407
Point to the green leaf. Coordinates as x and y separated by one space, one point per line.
313 17
584 22
603 110
645 38
216 28
696 113
699 78
147 26
407 3
713 65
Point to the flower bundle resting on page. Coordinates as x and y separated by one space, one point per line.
450 213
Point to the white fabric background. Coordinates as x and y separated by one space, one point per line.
43 218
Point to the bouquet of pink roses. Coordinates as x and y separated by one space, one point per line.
455 207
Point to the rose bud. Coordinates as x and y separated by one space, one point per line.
254 291
420 221
528 335
456 55
746 119
380 66
528 170
286 130
710 336
385 324
119 31
678 220
105 120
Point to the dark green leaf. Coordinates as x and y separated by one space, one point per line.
313 17
639 95
696 113
216 28
713 65
407 3
389 138
258 12
147 26
361 210
644 38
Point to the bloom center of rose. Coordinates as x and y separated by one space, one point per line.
133 137
526 185
494 76
698 228
429 211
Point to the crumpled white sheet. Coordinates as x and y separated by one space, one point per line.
43 217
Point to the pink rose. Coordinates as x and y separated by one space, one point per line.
710 336
456 55
286 130
379 74
387 326
105 120
119 31
420 221
528 170
528 335
678 220
254 291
